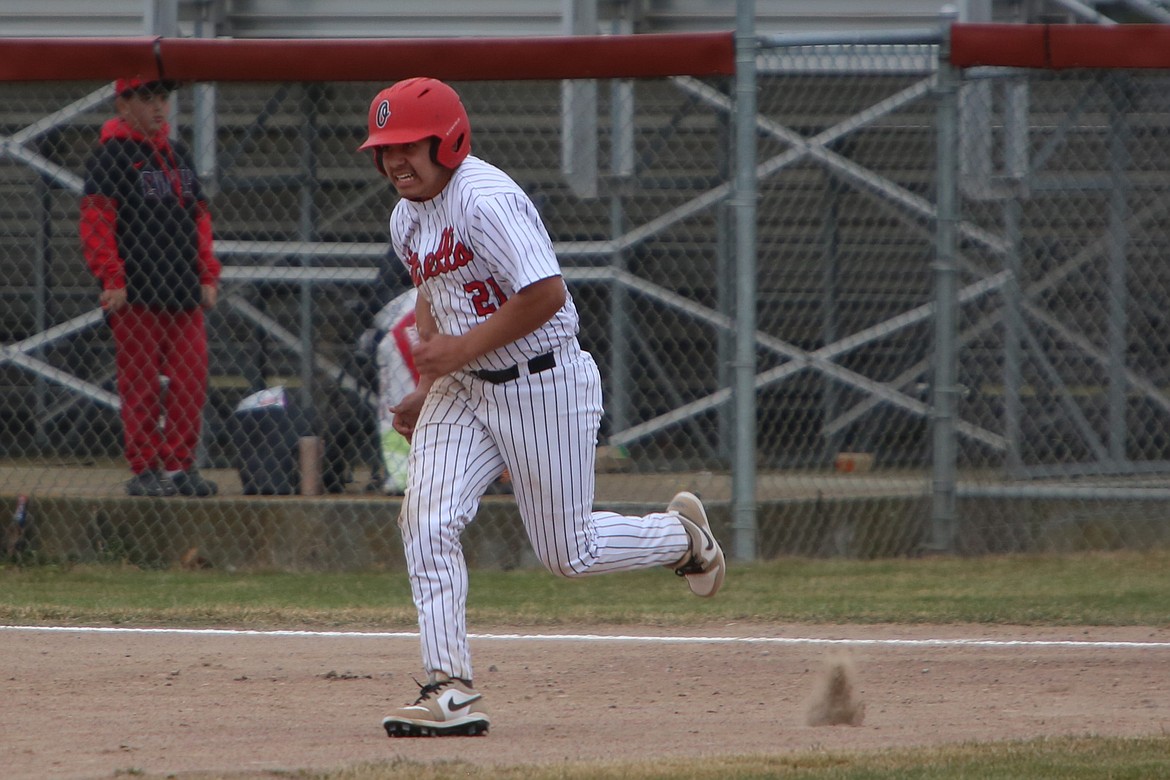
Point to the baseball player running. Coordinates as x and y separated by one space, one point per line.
503 384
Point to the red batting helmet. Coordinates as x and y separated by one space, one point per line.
420 108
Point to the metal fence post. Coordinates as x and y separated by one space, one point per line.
1118 267
944 397
744 204
307 212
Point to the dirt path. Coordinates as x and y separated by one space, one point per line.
86 705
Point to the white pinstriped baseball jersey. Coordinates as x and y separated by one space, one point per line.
473 246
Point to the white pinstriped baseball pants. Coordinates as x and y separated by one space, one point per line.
543 429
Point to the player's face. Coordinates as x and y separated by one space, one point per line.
412 171
145 112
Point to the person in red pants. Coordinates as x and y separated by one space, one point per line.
146 235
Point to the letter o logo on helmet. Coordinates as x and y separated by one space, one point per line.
382 114
419 108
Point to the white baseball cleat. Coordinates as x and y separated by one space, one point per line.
446 708
703 566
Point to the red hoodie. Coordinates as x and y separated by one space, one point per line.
144 222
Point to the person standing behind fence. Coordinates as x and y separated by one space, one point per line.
146 235
503 384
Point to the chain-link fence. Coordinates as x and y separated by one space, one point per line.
846 241
1060 415
1062 336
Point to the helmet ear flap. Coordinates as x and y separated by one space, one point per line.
454 148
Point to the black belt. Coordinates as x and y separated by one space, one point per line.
535 366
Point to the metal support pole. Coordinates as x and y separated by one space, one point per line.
1016 163
42 285
204 110
622 168
725 292
621 354
830 282
204 132
944 402
579 131
308 232
161 17
1012 338
1118 266
744 203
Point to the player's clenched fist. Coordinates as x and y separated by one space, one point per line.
406 411
440 354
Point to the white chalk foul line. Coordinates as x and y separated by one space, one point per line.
772 640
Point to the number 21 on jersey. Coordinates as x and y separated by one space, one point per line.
486 295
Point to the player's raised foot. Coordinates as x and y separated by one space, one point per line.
445 708
703 566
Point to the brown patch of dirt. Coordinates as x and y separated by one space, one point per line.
836 700
88 705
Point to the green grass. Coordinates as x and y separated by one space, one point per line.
1090 589
1088 758
1114 589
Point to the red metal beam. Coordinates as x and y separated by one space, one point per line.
348 59
1013 45
1120 46
50 59
1056 46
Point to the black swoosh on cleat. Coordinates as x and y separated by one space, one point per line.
454 706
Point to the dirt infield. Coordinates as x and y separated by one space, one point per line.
89 705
